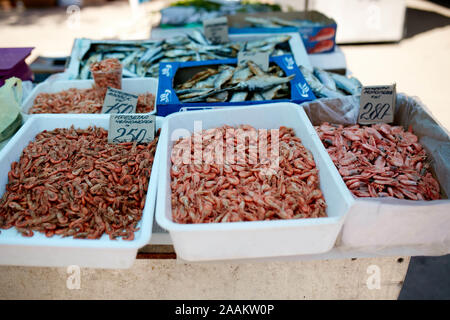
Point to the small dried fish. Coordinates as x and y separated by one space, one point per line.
235 84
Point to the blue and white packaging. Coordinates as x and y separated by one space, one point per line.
167 101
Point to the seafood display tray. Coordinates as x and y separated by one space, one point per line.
259 239
57 251
374 225
295 43
167 101
135 86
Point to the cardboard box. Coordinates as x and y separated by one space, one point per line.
317 39
167 101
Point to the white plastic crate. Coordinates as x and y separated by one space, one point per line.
239 240
57 251
134 86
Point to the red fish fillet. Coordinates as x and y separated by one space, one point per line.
323 34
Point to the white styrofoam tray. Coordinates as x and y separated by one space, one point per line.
58 251
240 240
134 86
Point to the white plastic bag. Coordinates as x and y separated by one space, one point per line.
376 224
10 100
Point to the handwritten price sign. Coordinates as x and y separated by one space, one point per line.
117 101
216 30
377 104
138 128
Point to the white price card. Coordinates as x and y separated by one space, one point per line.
377 104
138 128
117 101
260 58
216 30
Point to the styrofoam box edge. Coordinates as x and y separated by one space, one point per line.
220 241
57 251
132 85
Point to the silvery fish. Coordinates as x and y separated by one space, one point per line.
270 40
114 55
177 41
257 97
142 57
262 83
86 69
346 84
130 59
283 22
255 69
200 76
275 22
196 93
261 22
356 82
198 37
220 97
234 84
128 73
178 53
241 74
148 55
208 82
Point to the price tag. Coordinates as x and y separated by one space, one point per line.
260 58
216 30
131 128
377 104
117 101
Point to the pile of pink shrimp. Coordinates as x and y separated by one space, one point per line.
254 189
